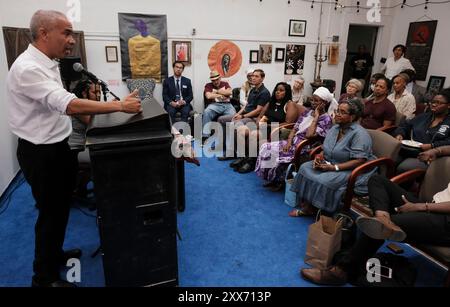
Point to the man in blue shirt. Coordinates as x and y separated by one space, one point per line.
258 97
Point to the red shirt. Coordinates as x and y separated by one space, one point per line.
376 113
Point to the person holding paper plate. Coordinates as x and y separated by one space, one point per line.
425 131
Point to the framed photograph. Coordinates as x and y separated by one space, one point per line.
254 56
297 27
265 53
435 84
181 51
111 54
279 55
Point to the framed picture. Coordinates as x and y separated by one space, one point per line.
265 53
111 54
297 27
254 56
435 84
279 54
181 51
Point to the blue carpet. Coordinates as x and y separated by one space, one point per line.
234 233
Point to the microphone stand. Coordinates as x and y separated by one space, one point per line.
106 90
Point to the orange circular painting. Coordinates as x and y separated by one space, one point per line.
225 57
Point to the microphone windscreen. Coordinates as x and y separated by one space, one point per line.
77 67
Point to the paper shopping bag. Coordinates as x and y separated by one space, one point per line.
324 240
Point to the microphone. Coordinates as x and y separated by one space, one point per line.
78 67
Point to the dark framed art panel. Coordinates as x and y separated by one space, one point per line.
254 54
279 54
435 84
181 51
297 27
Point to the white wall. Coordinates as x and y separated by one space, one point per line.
248 23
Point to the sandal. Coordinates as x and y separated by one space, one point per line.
299 213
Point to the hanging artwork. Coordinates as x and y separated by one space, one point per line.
143 46
333 54
295 56
419 45
225 57
265 53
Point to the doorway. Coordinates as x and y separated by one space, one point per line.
359 35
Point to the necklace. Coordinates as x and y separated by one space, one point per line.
277 104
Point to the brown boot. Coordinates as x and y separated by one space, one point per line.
333 276
381 228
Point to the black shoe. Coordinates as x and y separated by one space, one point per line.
246 168
71 253
224 158
238 162
59 283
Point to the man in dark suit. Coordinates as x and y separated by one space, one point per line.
177 93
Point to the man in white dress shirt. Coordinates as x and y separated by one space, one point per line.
396 64
38 114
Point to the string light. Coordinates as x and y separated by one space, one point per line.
402 3
357 5
335 4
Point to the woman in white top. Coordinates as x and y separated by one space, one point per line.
246 87
297 91
396 64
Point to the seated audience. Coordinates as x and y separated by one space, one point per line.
258 97
379 111
280 109
177 93
373 81
310 123
217 95
397 63
431 129
353 89
322 183
404 102
398 215
412 87
298 87
245 88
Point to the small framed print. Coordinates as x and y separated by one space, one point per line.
279 55
254 54
435 84
181 51
297 27
111 54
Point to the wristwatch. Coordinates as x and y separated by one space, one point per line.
336 167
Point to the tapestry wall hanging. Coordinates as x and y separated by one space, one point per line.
419 46
143 46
